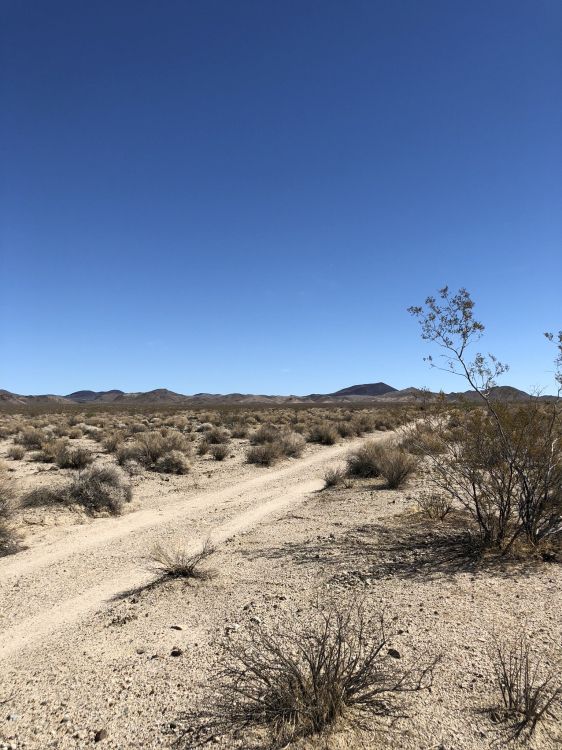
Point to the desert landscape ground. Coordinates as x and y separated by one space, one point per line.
114 633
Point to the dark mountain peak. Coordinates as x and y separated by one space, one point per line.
367 389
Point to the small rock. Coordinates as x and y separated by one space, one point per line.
100 735
394 653
255 620
176 627
176 651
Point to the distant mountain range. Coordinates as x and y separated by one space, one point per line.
367 392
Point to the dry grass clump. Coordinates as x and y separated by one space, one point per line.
219 452
303 679
15 452
173 462
178 563
529 691
323 433
113 440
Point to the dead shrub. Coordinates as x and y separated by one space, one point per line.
42 496
203 448
178 563
302 679
529 692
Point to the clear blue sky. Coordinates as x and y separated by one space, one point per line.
246 195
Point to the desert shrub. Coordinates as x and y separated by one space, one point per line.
267 433
173 462
77 458
323 433
179 563
205 427
346 429
51 450
219 452
264 455
364 461
334 477
395 465
99 489
112 441
151 446
31 438
435 505
74 433
239 431
203 448
132 467
9 539
16 452
299 680
42 496
529 691
291 444
217 436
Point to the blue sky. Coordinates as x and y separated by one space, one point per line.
246 196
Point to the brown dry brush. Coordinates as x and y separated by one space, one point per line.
529 692
304 679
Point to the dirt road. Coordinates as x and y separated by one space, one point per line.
55 584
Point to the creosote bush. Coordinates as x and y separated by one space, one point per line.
301 680
16 452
